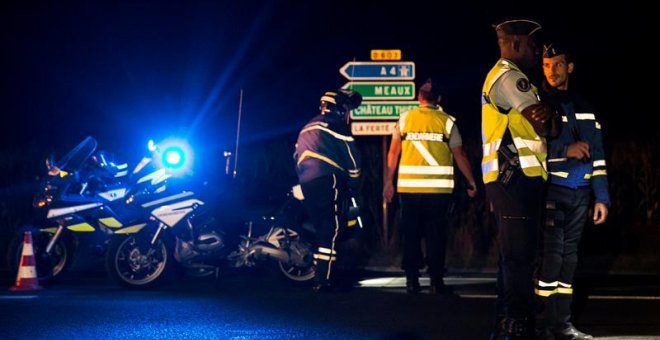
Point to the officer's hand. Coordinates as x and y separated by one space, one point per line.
541 112
578 150
600 213
472 190
540 116
388 192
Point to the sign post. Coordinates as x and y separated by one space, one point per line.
387 87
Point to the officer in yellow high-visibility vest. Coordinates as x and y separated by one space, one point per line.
514 124
428 141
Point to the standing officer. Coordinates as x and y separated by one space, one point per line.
328 166
514 124
426 138
576 162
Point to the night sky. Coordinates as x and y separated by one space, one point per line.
128 71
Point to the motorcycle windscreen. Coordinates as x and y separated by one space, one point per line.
75 158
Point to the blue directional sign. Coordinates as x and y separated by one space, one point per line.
374 70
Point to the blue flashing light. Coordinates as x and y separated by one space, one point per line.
173 157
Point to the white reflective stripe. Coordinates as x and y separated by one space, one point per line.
598 125
529 162
599 173
564 119
71 210
426 183
585 116
599 163
547 284
491 165
556 160
448 126
561 174
491 147
121 173
566 285
425 153
537 146
156 176
323 128
168 198
27 272
326 251
27 251
324 257
122 166
352 173
426 170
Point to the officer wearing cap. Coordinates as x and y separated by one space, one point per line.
328 166
514 126
427 140
576 162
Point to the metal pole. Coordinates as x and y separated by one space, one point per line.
386 237
238 132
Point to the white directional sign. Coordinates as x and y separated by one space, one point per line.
372 128
378 70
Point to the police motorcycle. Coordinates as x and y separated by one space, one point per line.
181 230
74 209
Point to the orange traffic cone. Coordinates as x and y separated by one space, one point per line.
26 279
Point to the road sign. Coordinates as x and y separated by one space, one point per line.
385 54
383 90
372 128
374 70
382 110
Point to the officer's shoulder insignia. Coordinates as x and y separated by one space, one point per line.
523 85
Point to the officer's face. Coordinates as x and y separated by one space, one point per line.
556 71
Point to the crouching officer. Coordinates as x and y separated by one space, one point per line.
328 166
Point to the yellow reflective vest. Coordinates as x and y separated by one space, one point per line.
531 147
426 164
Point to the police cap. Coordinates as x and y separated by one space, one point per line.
342 99
553 50
517 27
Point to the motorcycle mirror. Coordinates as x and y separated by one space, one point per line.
54 171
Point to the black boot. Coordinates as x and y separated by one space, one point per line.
412 283
515 329
571 333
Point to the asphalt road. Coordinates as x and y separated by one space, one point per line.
255 305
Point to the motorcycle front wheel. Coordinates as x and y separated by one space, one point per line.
48 266
133 262
300 268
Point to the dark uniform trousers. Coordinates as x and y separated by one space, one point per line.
566 214
517 209
424 215
324 197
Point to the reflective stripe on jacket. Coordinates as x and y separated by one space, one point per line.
578 123
494 123
426 164
325 146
